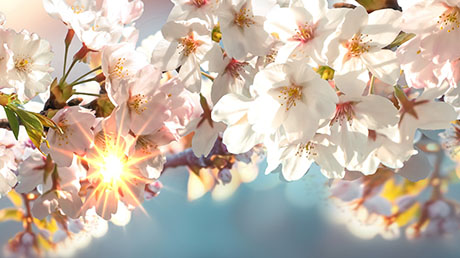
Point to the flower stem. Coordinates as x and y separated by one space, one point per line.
86 74
86 94
68 72
66 52
207 76
371 85
84 81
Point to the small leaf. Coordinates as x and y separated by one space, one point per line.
104 107
47 122
13 120
216 34
33 126
400 39
11 214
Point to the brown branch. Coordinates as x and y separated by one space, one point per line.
188 158
5 124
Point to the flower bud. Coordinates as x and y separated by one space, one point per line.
69 37
225 176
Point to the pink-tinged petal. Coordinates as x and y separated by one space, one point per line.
70 204
150 119
383 64
352 78
294 166
262 114
190 74
240 138
383 26
435 115
167 55
376 112
231 108
273 76
415 18
205 137
353 22
44 205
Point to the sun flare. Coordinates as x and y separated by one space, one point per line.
112 168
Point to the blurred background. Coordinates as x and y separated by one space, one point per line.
264 218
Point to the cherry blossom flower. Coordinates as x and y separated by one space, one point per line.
424 112
419 70
242 31
305 28
80 12
296 158
359 49
120 62
98 28
27 59
234 76
287 93
232 109
76 136
349 128
437 24
65 197
204 10
142 106
185 45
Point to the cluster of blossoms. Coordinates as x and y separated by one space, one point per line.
353 90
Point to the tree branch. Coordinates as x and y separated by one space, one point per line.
188 158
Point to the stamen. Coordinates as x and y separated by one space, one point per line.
22 64
78 8
304 33
305 150
244 18
449 19
343 112
198 3
189 44
235 68
120 71
358 45
137 102
291 94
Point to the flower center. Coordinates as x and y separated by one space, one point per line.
22 64
235 67
304 33
78 8
189 44
119 70
449 19
305 150
137 103
244 18
343 112
290 94
66 133
357 45
198 3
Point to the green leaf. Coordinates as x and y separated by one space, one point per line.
400 39
33 126
13 120
47 122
